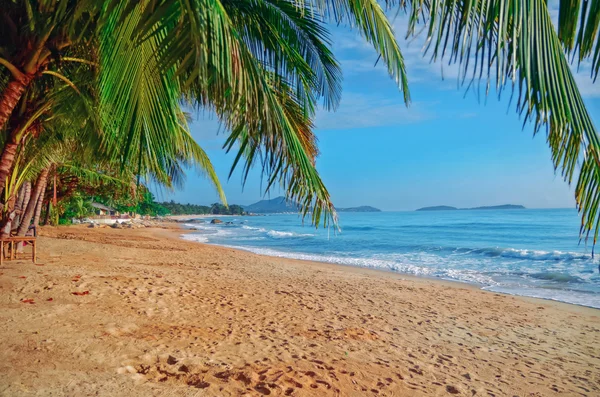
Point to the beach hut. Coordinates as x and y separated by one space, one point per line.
104 210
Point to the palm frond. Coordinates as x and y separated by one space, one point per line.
293 43
368 17
514 44
219 69
141 104
578 23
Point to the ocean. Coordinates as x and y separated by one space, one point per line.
532 252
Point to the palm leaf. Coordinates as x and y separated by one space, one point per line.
514 44
368 17
578 22
141 105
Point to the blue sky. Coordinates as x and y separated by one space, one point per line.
448 148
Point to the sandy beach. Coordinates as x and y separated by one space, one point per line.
114 312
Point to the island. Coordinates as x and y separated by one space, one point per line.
277 205
362 208
499 207
280 205
487 207
438 208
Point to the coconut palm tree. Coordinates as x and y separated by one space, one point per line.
262 65
68 132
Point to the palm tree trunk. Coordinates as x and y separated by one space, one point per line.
7 160
47 215
9 214
40 186
38 211
11 95
9 152
20 198
23 200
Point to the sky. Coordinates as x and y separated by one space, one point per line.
450 147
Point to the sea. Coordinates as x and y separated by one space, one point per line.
528 252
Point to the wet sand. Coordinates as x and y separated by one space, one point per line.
114 312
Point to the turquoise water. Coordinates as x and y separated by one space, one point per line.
523 252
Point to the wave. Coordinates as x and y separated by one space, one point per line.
499 252
557 277
535 255
195 237
278 234
221 231
464 275
259 229
210 230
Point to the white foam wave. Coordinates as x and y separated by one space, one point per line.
536 255
258 229
278 234
191 225
466 276
216 231
195 237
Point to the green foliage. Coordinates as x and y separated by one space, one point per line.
220 209
262 65
77 207
147 206
195 209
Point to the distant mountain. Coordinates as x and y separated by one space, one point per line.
438 208
490 207
273 206
362 208
499 207
280 204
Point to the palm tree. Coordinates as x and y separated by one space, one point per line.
67 134
32 36
262 65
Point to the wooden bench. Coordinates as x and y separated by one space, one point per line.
12 243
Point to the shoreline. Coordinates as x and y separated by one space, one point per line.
457 283
125 312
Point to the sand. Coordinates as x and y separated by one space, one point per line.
158 316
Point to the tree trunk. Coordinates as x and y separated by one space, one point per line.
40 187
9 152
10 97
38 212
7 160
8 216
47 215
24 195
20 199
